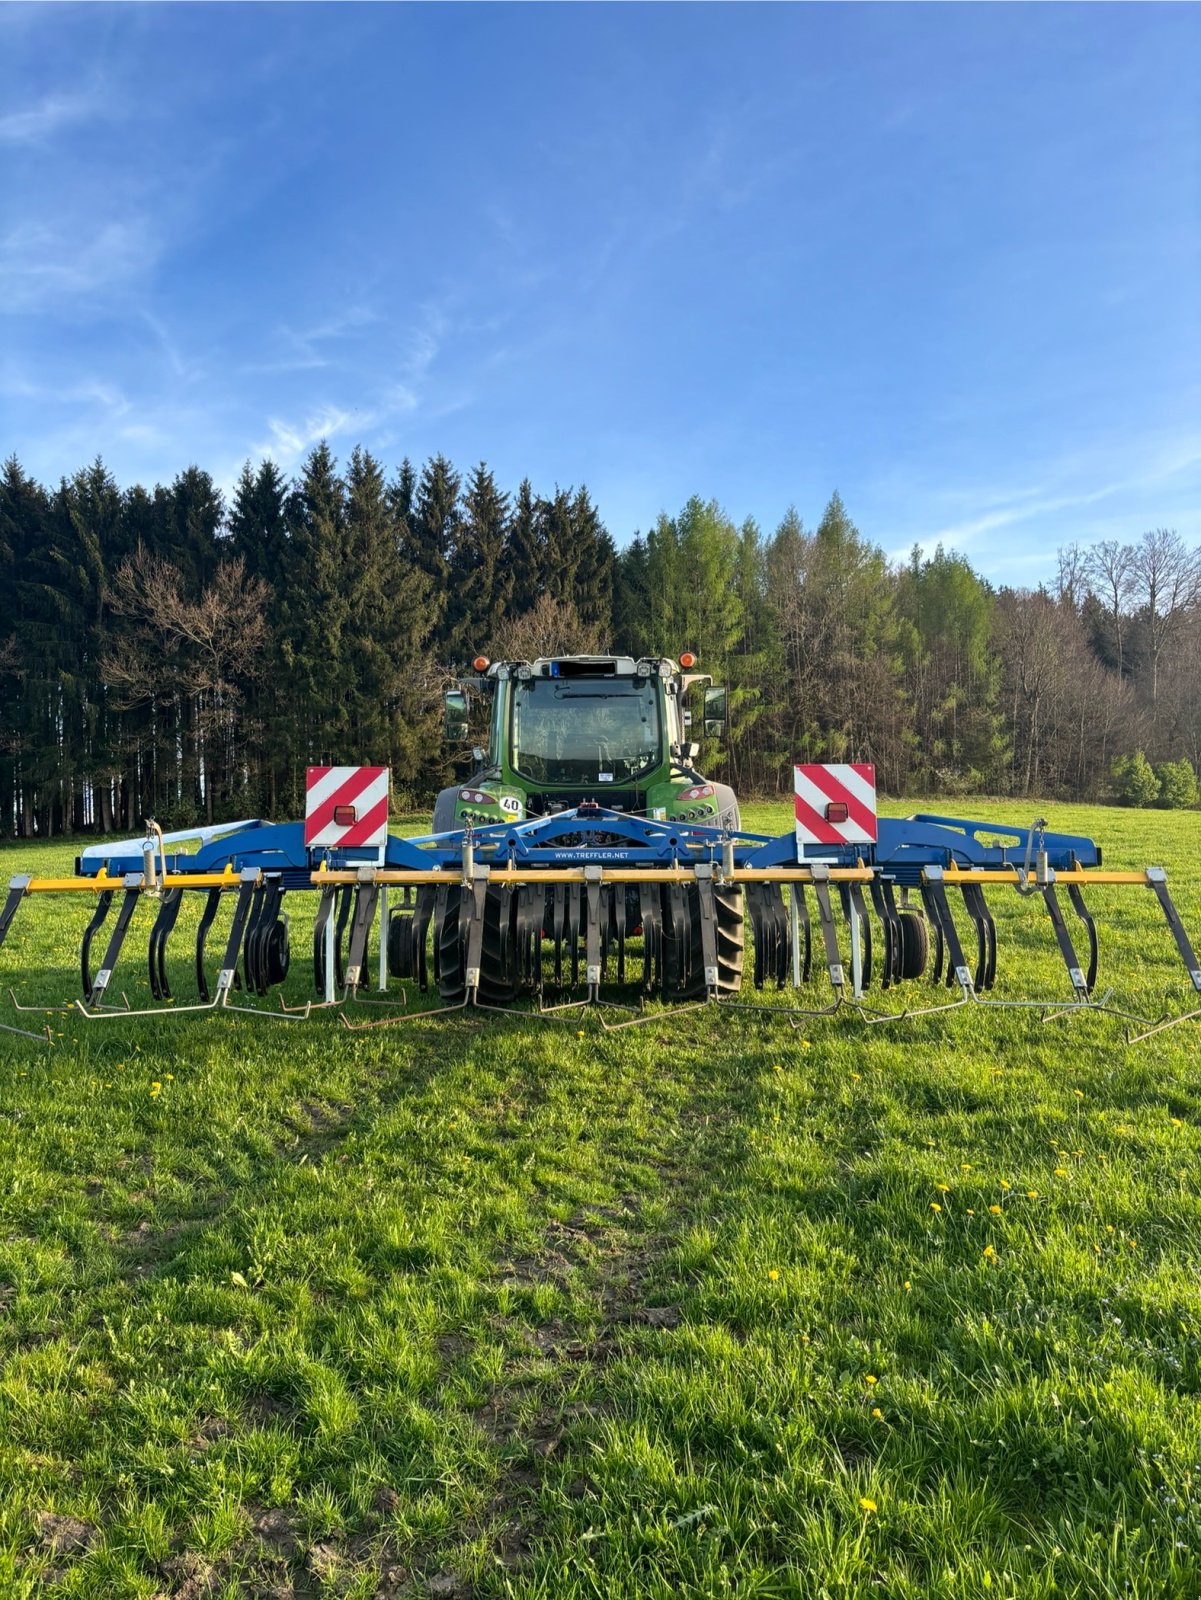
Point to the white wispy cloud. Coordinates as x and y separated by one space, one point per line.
1148 475
39 263
288 441
309 348
36 123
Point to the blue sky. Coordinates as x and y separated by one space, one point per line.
944 259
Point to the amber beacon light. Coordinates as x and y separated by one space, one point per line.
687 660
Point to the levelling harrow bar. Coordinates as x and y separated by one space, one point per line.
559 908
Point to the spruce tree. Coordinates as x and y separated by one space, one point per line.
480 577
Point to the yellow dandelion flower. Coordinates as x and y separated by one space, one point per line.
934 1206
855 1077
965 1166
1031 1194
1079 1093
907 1286
970 1212
866 1504
989 1253
1109 1227
805 1045
1004 1185
1177 1123
773 1275
1061 1172
943 1188
877 1414
871 1379
170 1077
994 1211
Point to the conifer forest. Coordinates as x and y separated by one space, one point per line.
176 653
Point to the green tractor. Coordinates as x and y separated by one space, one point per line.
569 731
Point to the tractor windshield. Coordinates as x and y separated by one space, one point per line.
585 730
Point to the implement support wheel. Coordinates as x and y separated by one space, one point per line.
915 944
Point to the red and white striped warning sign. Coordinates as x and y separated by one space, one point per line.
835 803
346 806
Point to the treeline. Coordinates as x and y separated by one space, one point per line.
165 653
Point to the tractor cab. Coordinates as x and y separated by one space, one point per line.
570 730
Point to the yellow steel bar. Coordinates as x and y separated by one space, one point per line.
1067 875
173 880
406 876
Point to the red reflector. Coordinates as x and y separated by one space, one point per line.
344 816
480 663
837 811
687 660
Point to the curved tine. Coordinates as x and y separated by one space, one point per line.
935 926
325 908
970 892
344 906
103 905
990 941
206 922
250 947
1082 911
156 956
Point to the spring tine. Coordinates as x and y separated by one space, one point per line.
16 893
865 933
620 911
206 921
344 909
887 954
1064 940
104 901
651 910
325 908
573 930
934 922
366 898
441 901
986 935
971 904
894 917
116 939
1082 911
422 917
1157 879
856 892
935 896
558 922
802 906
168 911
821 892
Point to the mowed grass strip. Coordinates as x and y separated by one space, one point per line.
713 1306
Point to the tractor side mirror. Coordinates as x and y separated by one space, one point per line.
715 716
454 714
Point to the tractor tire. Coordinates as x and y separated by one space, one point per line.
728 814
444 811
915 944
498 973
683 960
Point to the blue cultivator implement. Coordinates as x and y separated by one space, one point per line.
563 910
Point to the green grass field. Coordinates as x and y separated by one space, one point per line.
709 1307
